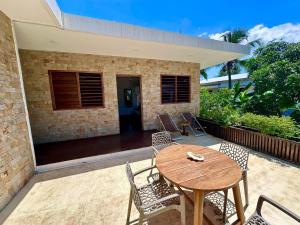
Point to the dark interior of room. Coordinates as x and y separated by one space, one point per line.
129 103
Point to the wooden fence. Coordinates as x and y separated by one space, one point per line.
279 147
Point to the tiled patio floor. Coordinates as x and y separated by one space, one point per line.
86 147
97 193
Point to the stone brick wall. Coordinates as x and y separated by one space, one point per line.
48 125
16 162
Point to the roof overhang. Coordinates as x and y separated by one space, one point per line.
40 25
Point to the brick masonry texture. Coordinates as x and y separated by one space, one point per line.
49 125
16 162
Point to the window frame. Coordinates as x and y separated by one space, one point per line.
78 89
176 101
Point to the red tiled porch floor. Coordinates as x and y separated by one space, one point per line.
74 149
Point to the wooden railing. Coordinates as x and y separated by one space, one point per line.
279 147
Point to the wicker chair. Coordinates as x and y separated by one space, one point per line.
160 140
257 218
153 198
240 155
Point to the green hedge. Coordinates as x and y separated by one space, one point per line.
217 106
277 126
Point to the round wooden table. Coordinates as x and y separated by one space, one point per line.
216 172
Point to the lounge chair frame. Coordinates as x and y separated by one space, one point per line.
176 135
194 126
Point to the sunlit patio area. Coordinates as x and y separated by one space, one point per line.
98 192
106 122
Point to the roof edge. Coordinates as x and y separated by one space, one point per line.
123 30
54 10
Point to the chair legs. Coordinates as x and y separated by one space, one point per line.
245 182
152 160
152 163
129 208
182 209
225 205
141 220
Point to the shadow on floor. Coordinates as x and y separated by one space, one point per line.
74 149
212 215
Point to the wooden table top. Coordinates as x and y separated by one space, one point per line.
216 172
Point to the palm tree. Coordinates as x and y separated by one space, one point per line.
234 66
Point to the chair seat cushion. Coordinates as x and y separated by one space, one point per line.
155 191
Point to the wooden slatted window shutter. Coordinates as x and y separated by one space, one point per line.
168 89
91 89
183 89
64 90
175 89
76 90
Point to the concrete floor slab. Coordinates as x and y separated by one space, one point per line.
97 193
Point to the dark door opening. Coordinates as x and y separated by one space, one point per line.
129 102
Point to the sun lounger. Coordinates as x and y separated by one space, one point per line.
194 125
168 124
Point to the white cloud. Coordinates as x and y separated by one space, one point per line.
204 34
288 32
217 36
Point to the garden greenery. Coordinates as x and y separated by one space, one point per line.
275 70
219 106
277 126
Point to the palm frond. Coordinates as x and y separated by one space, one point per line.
203 74
235 69
236 89
238 35
225 37
223 70
248 86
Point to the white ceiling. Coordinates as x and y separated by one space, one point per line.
37 11
36 37
38 25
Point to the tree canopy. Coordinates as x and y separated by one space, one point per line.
275 70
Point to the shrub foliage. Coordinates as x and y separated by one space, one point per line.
219 106
277 126
216 106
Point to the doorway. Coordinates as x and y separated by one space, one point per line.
129 103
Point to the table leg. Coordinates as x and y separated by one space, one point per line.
185 195
238 203
198 207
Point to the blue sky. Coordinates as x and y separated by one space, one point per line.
208 18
